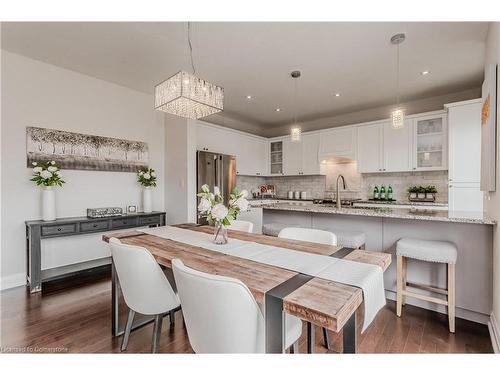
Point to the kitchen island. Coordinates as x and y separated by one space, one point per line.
471 232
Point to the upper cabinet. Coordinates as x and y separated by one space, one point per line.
310 152
250 151
430 141
276 157
292 157
370 148
289 158
397 153
418 146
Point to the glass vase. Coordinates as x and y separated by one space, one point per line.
220 233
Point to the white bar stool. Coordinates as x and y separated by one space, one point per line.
429 251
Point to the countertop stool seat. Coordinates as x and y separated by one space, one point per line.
429 251
350 238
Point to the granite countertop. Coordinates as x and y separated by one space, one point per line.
396 213
406 203
279 198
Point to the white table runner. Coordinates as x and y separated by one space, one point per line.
368 277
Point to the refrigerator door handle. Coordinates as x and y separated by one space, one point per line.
221 186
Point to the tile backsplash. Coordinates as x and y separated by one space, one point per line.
357 185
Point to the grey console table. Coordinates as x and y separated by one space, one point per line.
36 230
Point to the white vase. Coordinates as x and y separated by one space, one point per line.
48 204
147 203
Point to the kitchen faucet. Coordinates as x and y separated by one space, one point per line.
339 202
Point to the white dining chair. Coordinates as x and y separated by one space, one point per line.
317 236
241 225
222 316
145 287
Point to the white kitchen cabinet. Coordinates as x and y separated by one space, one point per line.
292 157
253 215
464 152
370 148
276 157
464 155
213 139
465 197
310 152
250 151
430 143
338 143
397 145
251 156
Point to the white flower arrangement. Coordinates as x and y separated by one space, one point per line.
212 206
46 174
147 177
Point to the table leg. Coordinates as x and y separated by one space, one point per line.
34 254
310 338
349 335
275 316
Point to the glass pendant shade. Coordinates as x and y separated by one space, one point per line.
188 96
295 134
398 118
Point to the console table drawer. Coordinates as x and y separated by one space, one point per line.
125 222
93 226
53 230
151 220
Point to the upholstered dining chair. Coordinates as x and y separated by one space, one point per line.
241 225
145 288
222 316
311 235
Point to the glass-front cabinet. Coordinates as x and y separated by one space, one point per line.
430 142
276 158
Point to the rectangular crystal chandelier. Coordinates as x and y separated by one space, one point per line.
188 96
398 118
295 134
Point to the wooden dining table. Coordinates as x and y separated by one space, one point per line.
316 301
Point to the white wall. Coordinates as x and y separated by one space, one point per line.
492 200
180 166
39 94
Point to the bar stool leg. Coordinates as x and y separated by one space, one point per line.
451 297
405 270
399 297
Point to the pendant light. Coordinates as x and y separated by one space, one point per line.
188 96
296 131
398 114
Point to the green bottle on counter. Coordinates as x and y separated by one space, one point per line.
376 193
382 193
390 193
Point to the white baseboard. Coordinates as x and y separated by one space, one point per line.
459 312
494 333
12 281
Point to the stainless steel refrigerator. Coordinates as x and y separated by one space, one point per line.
216 170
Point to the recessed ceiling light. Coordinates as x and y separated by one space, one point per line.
337 94
249 97
425 72
278 109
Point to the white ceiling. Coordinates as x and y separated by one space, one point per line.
355 59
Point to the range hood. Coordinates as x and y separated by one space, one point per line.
337 146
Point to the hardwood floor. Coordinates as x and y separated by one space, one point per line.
75 316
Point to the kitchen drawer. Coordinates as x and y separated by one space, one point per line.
94 226
150 220
54 230
124 222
